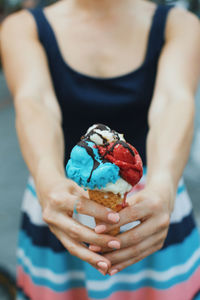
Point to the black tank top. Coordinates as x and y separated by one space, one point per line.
121 102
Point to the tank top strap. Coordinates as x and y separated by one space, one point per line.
157 32
44 30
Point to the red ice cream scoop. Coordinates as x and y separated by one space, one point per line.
126 157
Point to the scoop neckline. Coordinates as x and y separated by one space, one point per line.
96 78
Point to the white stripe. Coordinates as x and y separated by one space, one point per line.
148 273
46 273
31 181
182 207
95 285
32 208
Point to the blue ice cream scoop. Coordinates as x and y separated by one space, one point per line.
88 169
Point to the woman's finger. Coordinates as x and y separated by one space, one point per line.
135 251
82 233
122 265
82 252
147 228
91 208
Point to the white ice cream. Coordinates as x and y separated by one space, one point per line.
119 187
108 134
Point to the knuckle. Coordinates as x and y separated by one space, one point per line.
47 216
74 232
155 204
133 212
136 237
80 206
163 237
58 199
159 246
72 249
102 240
91 260
161 242
165 221
55 200
137 252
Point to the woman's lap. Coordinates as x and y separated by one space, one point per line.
47 271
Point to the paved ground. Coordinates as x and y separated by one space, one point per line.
13 175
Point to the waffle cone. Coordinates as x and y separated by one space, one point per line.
107 199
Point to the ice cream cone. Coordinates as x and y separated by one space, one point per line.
107 199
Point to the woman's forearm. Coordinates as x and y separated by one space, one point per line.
169 140
41 138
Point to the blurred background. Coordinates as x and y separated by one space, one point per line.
13 171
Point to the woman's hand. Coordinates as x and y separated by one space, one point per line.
152 207
58 198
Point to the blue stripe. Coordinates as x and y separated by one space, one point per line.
181 189
43 257
32 190
41 235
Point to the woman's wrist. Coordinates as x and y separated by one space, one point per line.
163 184
49 171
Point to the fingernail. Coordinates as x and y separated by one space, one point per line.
102 265
113 217
114 244
94 248
112 272
100 228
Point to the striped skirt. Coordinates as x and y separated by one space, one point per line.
46 271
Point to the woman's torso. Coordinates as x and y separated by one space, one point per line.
103 67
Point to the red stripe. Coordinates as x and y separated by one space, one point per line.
182 291
38 292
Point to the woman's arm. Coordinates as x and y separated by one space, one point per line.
38 116
171 114
38 122
171 118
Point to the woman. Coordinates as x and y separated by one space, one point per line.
133 66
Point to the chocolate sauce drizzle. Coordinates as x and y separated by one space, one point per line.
100 127
91 154
105 142
85 138
124 144
116 135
